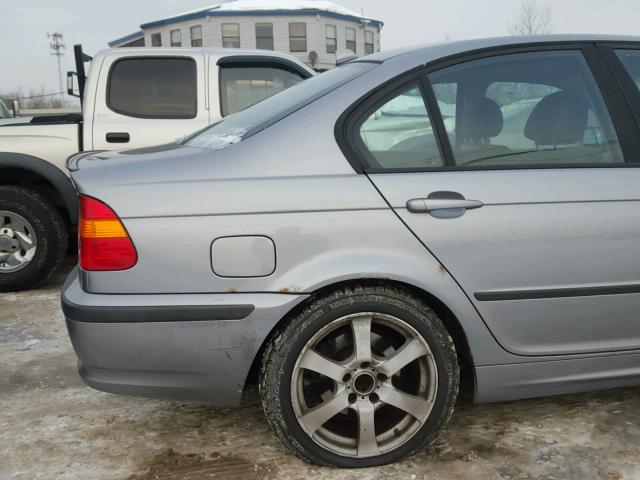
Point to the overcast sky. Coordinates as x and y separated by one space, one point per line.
26 63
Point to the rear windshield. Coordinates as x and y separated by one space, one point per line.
238 126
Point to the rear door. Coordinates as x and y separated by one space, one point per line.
149 100
521 178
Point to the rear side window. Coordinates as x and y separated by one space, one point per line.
631 61
397 133
160 88
241 87
526 109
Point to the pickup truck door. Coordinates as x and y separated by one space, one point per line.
145 99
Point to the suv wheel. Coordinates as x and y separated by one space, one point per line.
33 238
362 377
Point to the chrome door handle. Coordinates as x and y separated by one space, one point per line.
442 201
446 204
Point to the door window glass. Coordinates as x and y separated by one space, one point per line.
153 88
631 61
398 133
541 108
241 87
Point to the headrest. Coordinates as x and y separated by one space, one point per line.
482 119
558 119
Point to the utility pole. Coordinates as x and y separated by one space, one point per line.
57 50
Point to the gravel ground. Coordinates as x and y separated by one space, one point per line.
52 426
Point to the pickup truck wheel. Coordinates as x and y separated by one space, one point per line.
362 377
33 238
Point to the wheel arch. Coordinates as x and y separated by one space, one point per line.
451 323
23 170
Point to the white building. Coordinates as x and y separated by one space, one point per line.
312 30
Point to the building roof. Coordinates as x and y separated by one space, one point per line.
127 38
267 8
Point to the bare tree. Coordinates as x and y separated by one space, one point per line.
533 19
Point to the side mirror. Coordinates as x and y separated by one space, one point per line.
71 84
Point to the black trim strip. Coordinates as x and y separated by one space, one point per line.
185 313
556 293
272 61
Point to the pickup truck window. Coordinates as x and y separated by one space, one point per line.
256 118
162 88
241 87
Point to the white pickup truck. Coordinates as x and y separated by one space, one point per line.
131 97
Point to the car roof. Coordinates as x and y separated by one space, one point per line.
434 51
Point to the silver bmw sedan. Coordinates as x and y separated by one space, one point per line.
369 241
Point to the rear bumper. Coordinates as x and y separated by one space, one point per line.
186 346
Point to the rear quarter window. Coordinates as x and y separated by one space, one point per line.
163 88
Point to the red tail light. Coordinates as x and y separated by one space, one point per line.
103 242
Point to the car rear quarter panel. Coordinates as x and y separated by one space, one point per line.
290 183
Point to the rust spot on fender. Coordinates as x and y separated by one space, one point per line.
441 269
232 290
291 289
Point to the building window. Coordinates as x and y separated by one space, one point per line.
351 39
156 40
231 35
176 38
196 36
332 39
298 37
368 42
264 36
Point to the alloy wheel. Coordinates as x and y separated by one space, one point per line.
364 385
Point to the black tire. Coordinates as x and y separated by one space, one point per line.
50 231
285 346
